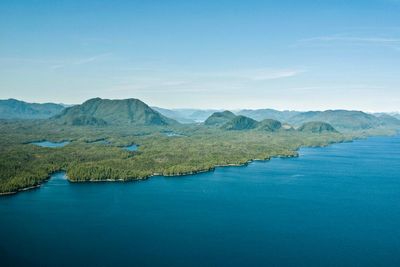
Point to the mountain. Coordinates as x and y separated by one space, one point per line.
240 123
270 125
219 118
197 115
174 114
16 109
316 127
186 115
262 114
99 111
229 121
340 119
388 119
396 115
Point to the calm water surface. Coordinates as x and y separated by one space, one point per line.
131 148
334 206
50 144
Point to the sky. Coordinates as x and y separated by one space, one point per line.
295 55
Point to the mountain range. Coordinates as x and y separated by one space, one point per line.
186 115
16 109
99 112
227 120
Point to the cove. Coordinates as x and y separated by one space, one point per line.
331 206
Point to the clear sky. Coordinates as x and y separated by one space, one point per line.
303 55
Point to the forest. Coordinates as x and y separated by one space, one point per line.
194 148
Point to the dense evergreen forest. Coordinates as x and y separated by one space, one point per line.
196 148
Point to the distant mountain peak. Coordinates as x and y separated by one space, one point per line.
98 111
16 109
317 127
220 118
240 123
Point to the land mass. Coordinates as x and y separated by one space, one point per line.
16 109
98 129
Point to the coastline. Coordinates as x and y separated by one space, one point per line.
294 154
21 190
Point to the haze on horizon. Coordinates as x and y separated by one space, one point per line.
296 55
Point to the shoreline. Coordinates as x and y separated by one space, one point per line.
295 154
21 190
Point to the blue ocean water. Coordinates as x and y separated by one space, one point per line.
332 206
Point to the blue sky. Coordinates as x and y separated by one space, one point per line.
303 55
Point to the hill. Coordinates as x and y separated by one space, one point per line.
219 118
340 119
99 111
316 127
262 114
396 115
388 119
16 109
240 123
270 125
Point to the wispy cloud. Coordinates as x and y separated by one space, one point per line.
259 74
79 61
350 40
51 63
91 59
157 81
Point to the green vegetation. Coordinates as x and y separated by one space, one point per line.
342 120
316 127
219 118
15 109
262 114
95 151
99 112
23 165
240 123
270 125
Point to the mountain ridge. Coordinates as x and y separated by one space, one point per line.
17 109
98 111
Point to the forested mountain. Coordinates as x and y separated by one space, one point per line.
388 119
340 119
316 127
16 109
262 114
270 125
240 123
99 111
396 115
219 118
228 121
133 111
